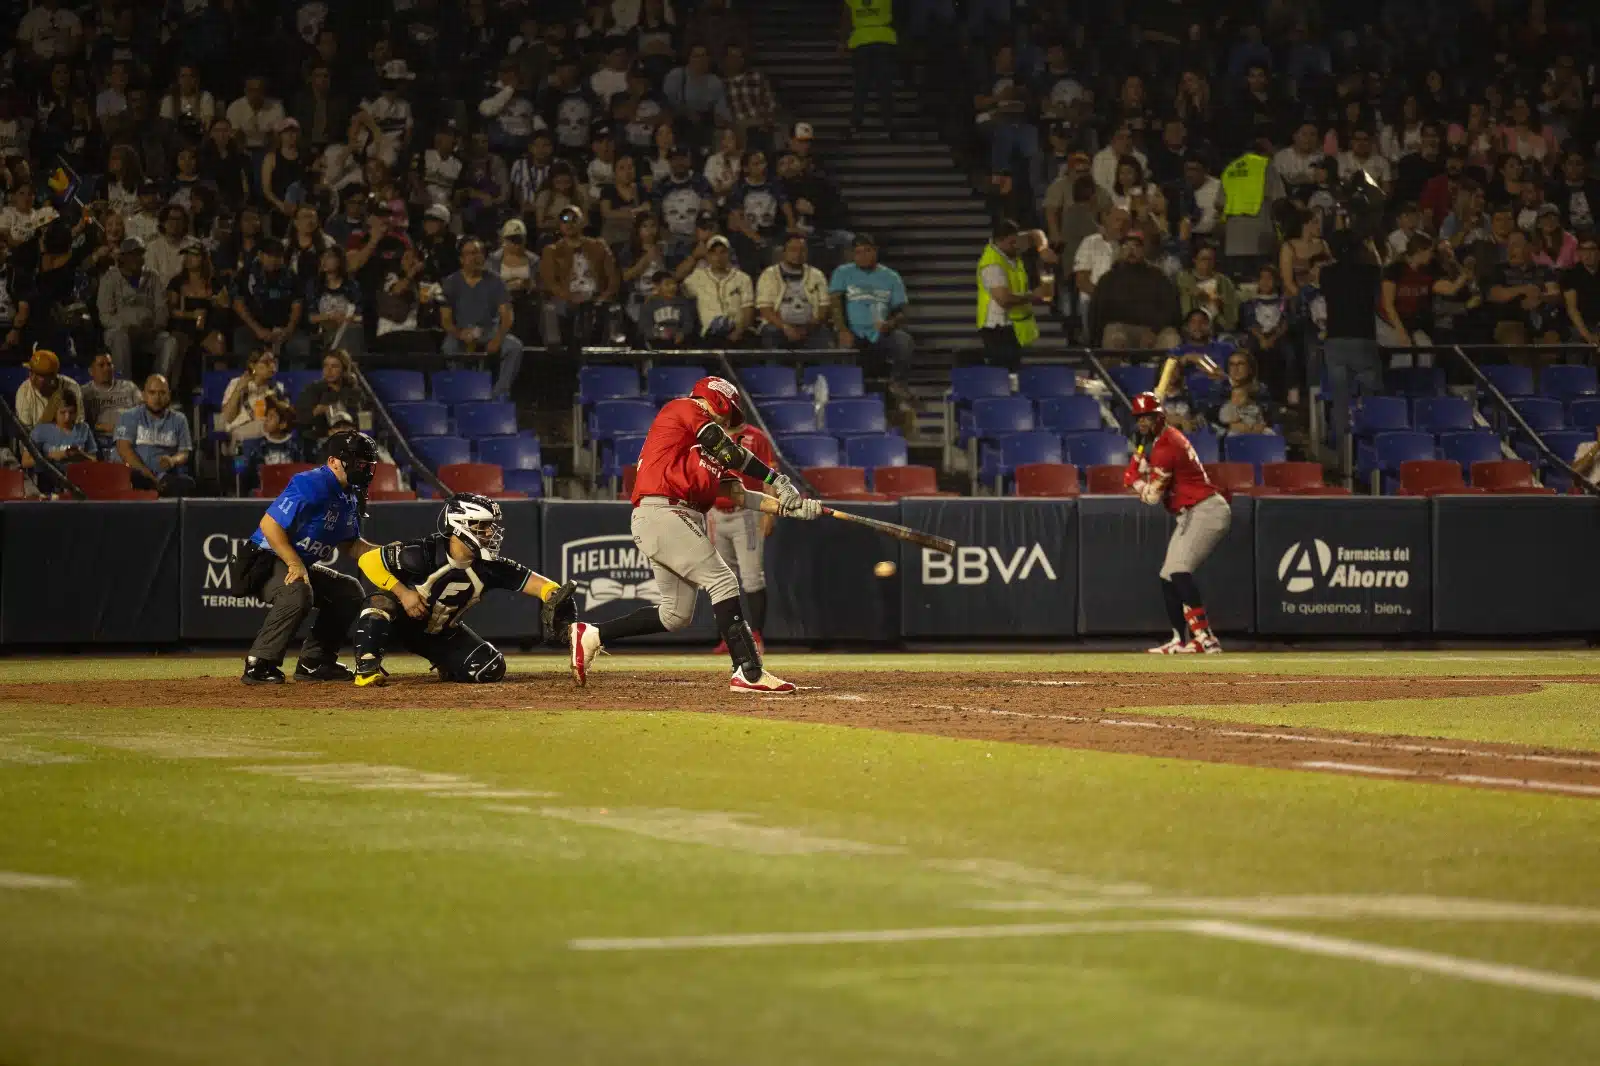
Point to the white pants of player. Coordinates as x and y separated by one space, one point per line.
1200 529
737 537
673 536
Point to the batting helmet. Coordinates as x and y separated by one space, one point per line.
1146 404
722 396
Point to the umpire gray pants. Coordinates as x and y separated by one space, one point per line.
1200 528
673 537
336 598
737 537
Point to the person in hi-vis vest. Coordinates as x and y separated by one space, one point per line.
1006 319
868 35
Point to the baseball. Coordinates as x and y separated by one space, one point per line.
884 568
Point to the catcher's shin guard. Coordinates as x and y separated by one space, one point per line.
741 642
370 636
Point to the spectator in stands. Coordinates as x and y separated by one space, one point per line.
1406 218
38 397
818 209
1293 162
1071 214
255 117
1526 295
1580 290
145 222
514 264
561 194
759 212
722 167
1576 194
870 40
1097 254
723 295
581 282
222 164
269 306
407 308
437 245
1350 285
1525 134
639 260
510 111
869 305
1107 160
106 396
1200 346
751 102
1201 288
333 302
1294 258
133 311
387 117
1250 188
244 400
197 307
666 317
1266 321
322 111
793 302
305 244
1136 305
622 202
1242 415
1406 305
1415 169
680 198
640 110
697 95
1199 197
477 316
531 172
1003 104
1466 223
186 103
277 444
164 254
1438 197
154 441
1553 246
66 439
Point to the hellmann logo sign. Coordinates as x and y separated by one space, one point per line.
973 565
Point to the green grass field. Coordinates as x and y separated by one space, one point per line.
312 886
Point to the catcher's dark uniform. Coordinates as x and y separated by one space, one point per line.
449 590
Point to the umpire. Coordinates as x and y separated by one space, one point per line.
318 512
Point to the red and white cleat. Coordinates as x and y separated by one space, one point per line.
765 683
1206 643
1175 646
585 640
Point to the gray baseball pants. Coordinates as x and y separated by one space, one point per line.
737 537
1199 530
675 539
336 598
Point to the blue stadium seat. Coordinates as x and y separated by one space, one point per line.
510 453
669 382
392 386
1566 442
474 420
1039 382
421 419
1257 449
1070 414
1567 383
621 452
1392 448
1510 380
1415 381
461 386
1133 380
293 381
1380 414
769 382
616 418
869 453
1036 446
997 416
1442 414
442 451
1473 446
1097 449
1584 414
596 383
12 377
969 383
844 380
1206 446
213 384
1542 414
527 481
790 416
1204 389
810 449
845 418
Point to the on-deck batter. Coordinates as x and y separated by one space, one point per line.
688 458
1165 470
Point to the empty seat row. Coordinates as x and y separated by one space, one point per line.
1559 381
997 415
844 381
969 384
443 386
821 450
1062 479
849 417
884 482
472 420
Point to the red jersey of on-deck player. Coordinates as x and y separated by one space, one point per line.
671 463
757 444
1173 456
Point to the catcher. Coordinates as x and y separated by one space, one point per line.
425 586
1164 469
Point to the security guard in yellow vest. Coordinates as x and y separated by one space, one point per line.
1244 185
1005 303
867 32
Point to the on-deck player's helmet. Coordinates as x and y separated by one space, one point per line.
722 396
477 520
1146 403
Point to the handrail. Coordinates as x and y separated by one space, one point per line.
382 412
1505 405
39 458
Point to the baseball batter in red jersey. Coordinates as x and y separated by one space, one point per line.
1165 470
739 534
689 459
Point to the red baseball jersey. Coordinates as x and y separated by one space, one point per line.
757 444
1172 458
671 463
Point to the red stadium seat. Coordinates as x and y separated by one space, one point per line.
100 481
840 482
1507 476
275 477
897 481
484 478
1106 479
1433 477
389 495
134 494
1239 478
386 478
11 482
1047 479
1288 477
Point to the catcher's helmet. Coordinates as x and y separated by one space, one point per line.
359 454
722 396
477 520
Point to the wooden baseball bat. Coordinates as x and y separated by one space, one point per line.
1169 373
888 529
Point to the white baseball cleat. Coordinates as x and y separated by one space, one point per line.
765 683
585 641
1205 643
1175 646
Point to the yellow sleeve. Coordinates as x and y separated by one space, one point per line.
372 565
542 586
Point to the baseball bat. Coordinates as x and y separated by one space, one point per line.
888 529
1169 372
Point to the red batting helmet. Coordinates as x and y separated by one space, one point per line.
1146 404
722 396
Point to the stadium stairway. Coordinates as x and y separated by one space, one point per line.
910 193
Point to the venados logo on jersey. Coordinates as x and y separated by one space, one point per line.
973 565
607 569
1309 564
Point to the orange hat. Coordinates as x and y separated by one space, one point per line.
44 361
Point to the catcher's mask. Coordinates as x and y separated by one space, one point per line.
477 521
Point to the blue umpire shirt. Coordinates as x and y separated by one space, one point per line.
317 512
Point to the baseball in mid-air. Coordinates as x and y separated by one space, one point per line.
883 568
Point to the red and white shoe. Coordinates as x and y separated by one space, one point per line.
1175 646
585 640
765 683
1206 643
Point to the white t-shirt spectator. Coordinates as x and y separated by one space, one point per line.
49 33
256 127
393 117
606 83
1096 255
441 174
1294 167
201 106
1375 165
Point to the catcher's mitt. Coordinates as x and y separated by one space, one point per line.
558 614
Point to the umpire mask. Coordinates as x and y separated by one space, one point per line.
477 521
359 454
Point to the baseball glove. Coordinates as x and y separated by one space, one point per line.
558 614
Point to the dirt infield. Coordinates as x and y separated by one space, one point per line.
1063 710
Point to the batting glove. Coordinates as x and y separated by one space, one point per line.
785 490
803 509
